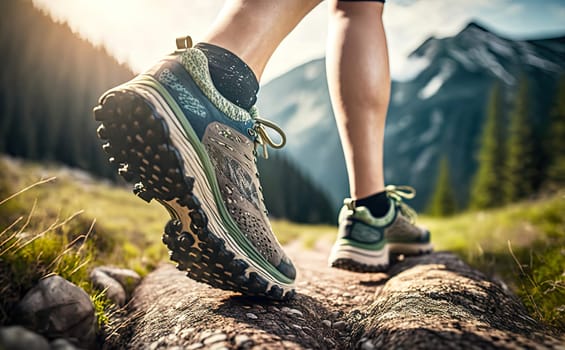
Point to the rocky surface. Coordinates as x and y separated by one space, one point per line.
428 302
56 308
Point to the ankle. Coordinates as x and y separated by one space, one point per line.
378 204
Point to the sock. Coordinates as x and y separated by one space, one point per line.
231 76
378 204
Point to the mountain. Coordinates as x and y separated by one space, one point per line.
49 81
437 113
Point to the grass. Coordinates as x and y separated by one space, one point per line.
522 244
66 225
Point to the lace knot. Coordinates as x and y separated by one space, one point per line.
397 194
262 138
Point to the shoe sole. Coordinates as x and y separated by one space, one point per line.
355 259
410 249
139 140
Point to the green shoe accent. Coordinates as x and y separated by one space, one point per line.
191 137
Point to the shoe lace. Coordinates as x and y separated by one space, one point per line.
397 194
262 138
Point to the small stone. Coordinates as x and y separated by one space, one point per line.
195 346
62 344
339 325
295 326
334 315
251 316
296 312
218 346
19 338
171 338
346 295
367 345
113 289
58 309
205 334
241 340
215 338
274 309
327 323
127 278
157 343
185 333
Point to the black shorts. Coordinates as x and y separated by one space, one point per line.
364 0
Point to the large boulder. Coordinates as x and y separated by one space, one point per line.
57 308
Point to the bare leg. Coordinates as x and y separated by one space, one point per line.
359 82
253 29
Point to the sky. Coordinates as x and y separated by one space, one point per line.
140 32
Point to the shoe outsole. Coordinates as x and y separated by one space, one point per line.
137 141
355 266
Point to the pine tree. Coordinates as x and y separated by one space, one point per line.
519 166
485 192
443 200
556 149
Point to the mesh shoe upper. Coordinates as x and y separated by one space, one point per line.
396 225
230 136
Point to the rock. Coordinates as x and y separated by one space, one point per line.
215 338
241 340
19 338
56 308
195 346
296 312
251 316
366 344
127 278
114 290
62 344
185 333
339 325
327 323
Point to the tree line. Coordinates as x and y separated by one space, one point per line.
50 80
514 161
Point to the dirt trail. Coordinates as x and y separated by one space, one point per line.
429 302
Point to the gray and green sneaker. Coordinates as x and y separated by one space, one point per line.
365 243
183 144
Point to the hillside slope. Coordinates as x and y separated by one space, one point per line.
439 112
49 81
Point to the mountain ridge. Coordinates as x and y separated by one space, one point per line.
426 117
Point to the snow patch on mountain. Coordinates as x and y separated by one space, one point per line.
436 82
411 68
489 61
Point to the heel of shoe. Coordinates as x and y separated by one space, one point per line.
348 257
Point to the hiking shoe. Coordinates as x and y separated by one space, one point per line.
364 242
183 144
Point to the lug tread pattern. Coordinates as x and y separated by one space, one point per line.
136 140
